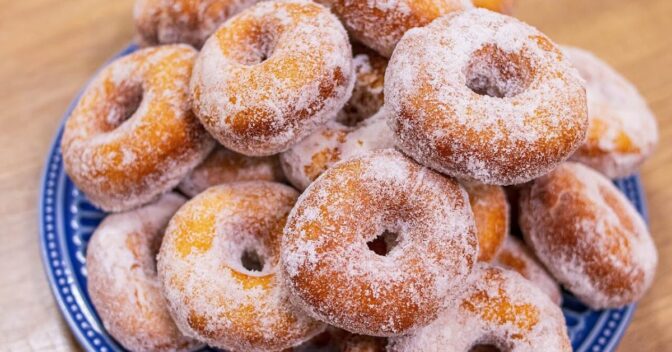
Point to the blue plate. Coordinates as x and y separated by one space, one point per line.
67 220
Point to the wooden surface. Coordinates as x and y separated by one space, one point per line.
48 49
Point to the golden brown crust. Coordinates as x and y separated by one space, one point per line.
501 6
491 213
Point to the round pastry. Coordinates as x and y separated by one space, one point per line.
380 24
182 21
122 280
272 75
491 213
307 160
501 309
501 6
483 96
515 256
424 218
132 135
219 266
587 234
225 166
622 131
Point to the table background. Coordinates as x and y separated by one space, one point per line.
49 48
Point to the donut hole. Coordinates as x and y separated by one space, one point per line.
485 348
496 73
124 105
251 260
383 243
260 46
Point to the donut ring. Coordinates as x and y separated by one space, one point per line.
122 280
225 166
501 6
622 131
336 278
213 295
272 75
482 96
491 213
588 236
380 24
500 308
182 21
123 157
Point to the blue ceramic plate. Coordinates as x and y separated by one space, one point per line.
67 220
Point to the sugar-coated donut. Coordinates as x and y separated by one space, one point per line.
334 142
482 96
515 256
132 135
219 266
501 6
225 166
424 216
622 131
491 213
122 280
589 237
182 21
380 24
271 75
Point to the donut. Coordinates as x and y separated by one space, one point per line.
499 309
304 162
515 256
622 131
271 75
501 6
588 236
182 21
381 24
423 216
482 96
491 213
219 267
122 280
132 135
225 166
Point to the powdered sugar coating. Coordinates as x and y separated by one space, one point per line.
334 142
529 113
333 274
587 234
622 131
499 308
271 75
491 213
211 294
123 157
122 280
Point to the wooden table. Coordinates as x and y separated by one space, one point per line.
49 48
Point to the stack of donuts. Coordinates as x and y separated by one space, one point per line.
337 175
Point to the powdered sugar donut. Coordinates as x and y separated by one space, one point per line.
491 213
501 6
225 166
304 162
588 236
500 308
182 21
426 219
380 24
622 131
132 135
271 75
219 266
485 97
122 281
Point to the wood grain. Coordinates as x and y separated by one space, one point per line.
49 48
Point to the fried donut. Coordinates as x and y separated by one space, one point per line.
272 75
336 278
182 21
491 213
482 96
587 234
132 135
225 166
380 24
304 162
501 309
515 256
122 281
219 266
501 6
622 131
